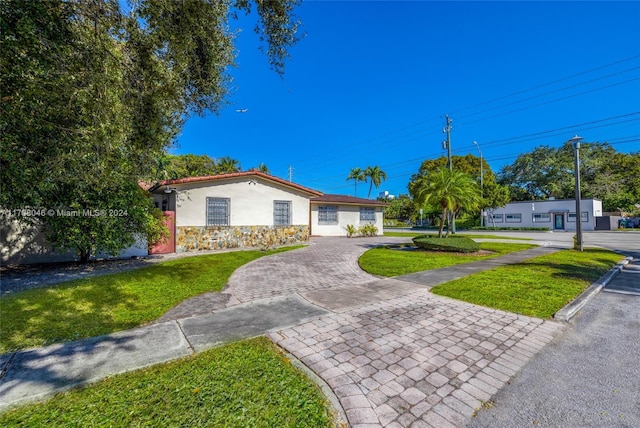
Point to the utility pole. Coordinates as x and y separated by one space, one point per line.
290 173
447 142
481 184
575 141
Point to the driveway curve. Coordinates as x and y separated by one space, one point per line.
327 262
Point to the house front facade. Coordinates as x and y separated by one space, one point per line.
554 214
244 209
331 214
240 210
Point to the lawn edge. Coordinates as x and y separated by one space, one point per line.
572 308
338 415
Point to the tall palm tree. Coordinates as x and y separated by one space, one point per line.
376 177
450 190
227 165
356 174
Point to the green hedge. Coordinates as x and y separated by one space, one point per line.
454 244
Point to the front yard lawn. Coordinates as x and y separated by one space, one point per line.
538 287
244 384
385 261
105 304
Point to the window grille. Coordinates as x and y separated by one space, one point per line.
328 214
367 214
281 213
217 211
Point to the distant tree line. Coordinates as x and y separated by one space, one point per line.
605 174
540 174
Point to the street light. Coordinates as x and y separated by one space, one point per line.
481 184
576 145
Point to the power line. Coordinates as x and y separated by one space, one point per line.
404 138
550 83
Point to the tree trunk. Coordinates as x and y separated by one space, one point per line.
444 216
85 254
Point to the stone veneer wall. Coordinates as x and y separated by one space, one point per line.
198 238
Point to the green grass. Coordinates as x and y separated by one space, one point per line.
105 304
388 262
472 236
452 244
538 287
244 384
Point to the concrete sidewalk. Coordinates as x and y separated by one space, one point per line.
34 374
393 353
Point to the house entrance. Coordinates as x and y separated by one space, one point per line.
167 245
558 221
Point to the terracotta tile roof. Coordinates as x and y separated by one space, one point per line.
349 200
252 173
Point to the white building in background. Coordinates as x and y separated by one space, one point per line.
386 195
554 214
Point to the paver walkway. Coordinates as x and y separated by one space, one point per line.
393 353
417 360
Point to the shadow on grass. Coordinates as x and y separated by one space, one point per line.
101 305
589 270
36 373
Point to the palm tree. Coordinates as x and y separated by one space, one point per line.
227 165
450 190
376 177
263 168
356 174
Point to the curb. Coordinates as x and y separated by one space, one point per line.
565 314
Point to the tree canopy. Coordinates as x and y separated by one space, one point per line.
402 208
494 195
605 174
451 191
375 175
356 174
93 93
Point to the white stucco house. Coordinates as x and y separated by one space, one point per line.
554 214
330 214
243 209
253 209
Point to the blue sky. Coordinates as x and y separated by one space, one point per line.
371 82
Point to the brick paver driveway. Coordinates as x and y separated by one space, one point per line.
327 262
416 360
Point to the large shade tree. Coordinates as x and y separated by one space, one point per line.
93 93
605 174
451 191
189 165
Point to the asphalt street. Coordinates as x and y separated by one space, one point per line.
587 377
590 375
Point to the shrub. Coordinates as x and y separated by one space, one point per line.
454 244
468 222
368 230
351 230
